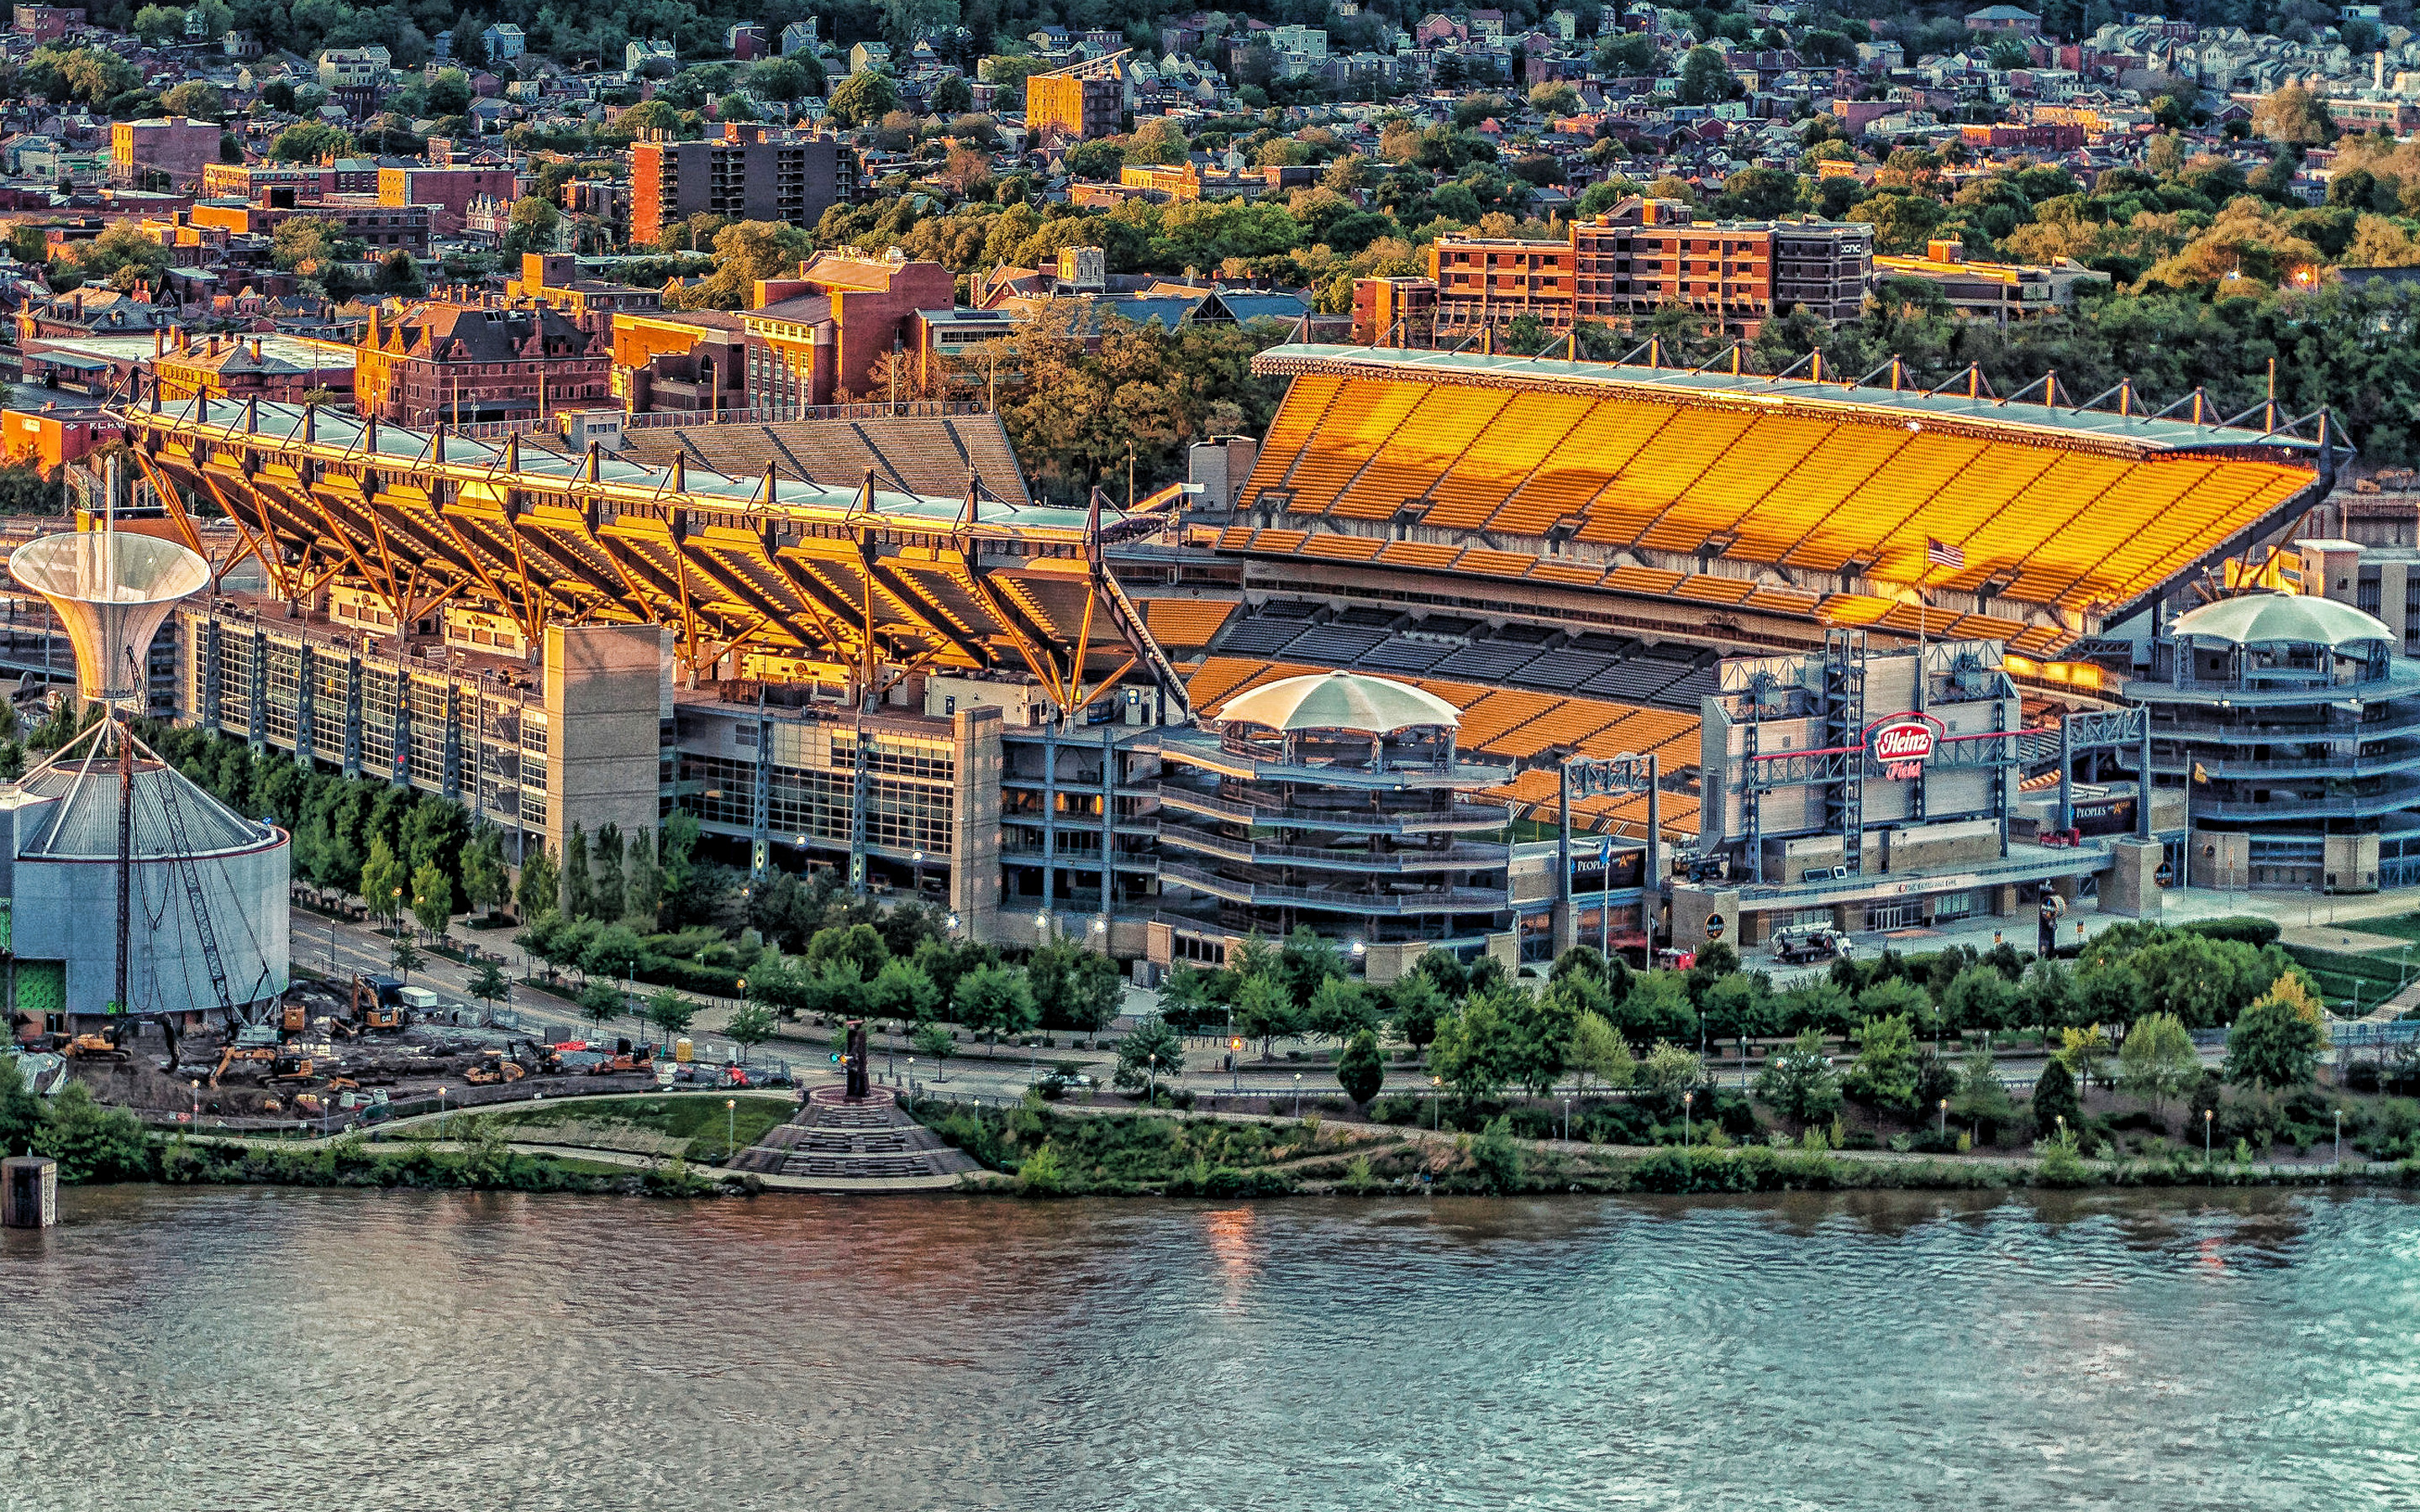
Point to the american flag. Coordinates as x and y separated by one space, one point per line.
1942 554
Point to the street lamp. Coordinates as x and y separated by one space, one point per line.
1151 1091
730 1129
1945 1118
2339 1137
2206 1116
1567 1121
1298 1112
917 861
1686 1098
1436 1096
441 1112
197 1104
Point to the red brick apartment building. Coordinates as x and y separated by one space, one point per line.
812 337
466 363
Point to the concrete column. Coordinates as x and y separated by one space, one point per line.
306 703
353 716
2130 888
213 675
452 780
257 731
974 840
1108 816
399 771
1051 816
603 704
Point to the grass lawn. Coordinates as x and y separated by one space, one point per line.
701 1120
2348 978
2402 927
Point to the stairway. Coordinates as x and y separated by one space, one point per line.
832 1138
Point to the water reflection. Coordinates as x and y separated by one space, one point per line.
2241 1350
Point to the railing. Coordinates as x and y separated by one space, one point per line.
496 430
1252 851
1442 899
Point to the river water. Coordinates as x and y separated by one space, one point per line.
282 1349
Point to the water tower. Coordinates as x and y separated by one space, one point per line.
207 884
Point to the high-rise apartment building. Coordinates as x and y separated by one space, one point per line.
751 173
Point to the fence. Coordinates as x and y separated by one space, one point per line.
496 430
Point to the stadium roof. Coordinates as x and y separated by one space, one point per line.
1778 496
1341 701
879 581
2299 619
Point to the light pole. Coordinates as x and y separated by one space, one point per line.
1297 1111
917 861
1235 1065
730 1129
1567 1121
1686 1098
2207 1115
1150 1089
1437 1097
1945 1118
440 1113
197 1104
2339 1137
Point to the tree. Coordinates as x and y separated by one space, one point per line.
2293 117
383 879
1737 1005
750 1024
484 883
91 1143
432 898
932 1041
310 141
195 99
1153 1052
2158 1059
952 95
1265 1011
577 900
1705 80
2276 1043
1885 1075
1341 1008
1360 1071
607 895
1074 987
669 1011
1473 1047
541 884
1979 997
1416 1004
157 23
902 993
868 95
448 93
2055 1100
492 986
783 81
1668 1068
1798 1080
1600 1054
2084 1053
20 1110
995 1001
122 256
1981 1101
1657 1008
616 951
531 226
600 1001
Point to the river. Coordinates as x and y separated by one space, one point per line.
282 1349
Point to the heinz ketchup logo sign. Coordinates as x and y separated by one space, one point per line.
1902 744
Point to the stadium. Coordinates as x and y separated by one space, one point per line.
1668 609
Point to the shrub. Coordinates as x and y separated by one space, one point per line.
2244 930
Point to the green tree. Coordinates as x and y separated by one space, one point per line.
608 892
1153 1051
2293 117
20 1110
1885 1075
1981 1102
448 93
541 884
2158 1059
865 97
122 256
670 1012
578 903
2055 1099
750 1024
91 1143
384 876
901 992
484 883
616 950
1705 80
1360 1069
2278 1042
1657 1008
1474 1048
1074 987
953 96
157 23
933 1043
1340 1009
530 227
1668 1068
1416 1006
491 985
195 99
310 141
1599 1052
1979 997
600 1000
995 1001
432 898
1265 1011
1798 1082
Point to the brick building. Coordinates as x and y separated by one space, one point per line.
751 173
46 24
447 191
280 368
690 361
1486 281
467 363
167 151
1394 311
813 337
251 180
50 437
383 228
552 279
1078 102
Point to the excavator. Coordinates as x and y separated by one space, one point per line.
234 1053
106 1046
378 1006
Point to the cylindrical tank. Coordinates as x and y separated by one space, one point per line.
58 865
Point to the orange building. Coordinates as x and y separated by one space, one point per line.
1394 311
813 337
50 439
1486 281
280 368
1644 254
1078 102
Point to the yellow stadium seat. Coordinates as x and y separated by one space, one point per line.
1343 547
1864 518
1437 434
1478 483
1297 418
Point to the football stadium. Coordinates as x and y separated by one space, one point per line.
1558 650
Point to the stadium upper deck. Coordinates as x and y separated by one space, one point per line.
1785 496
872 580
